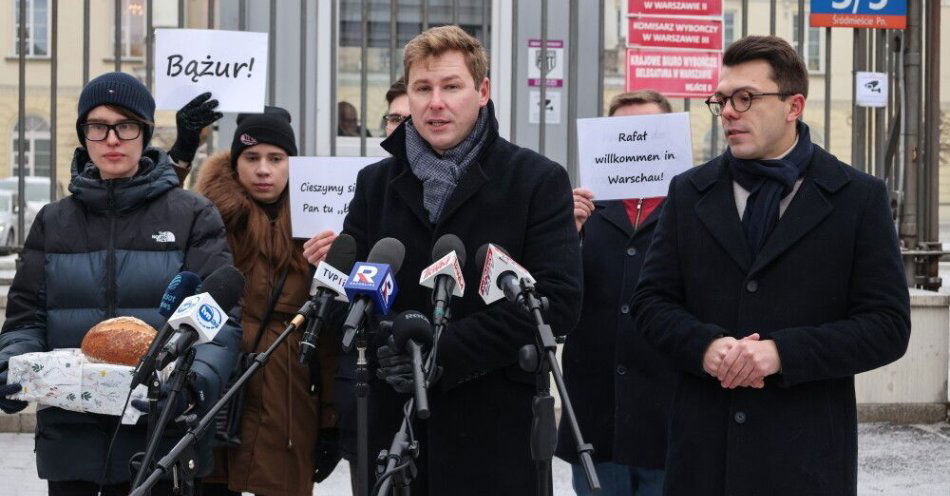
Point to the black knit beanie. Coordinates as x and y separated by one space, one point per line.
271 127
119 89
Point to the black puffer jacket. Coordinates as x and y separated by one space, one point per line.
107 250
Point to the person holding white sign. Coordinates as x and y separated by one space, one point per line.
774 276
620 386
190 121
282 418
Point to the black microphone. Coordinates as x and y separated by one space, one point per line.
327 285
200 317
411 332
444 276
181 286
367 285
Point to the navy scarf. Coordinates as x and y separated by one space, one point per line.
768 181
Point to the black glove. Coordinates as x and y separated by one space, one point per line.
395 367
184 400
191 119
326 454
8 405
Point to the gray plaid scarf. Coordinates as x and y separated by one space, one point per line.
440 174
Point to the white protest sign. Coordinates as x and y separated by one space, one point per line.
232 65
320 192
634 156
870 89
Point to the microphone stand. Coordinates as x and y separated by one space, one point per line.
395 474
544 427
195 431
157 428
361 391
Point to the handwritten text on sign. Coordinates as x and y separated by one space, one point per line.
320 192
635 156
232 65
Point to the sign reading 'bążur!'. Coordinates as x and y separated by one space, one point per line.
232 65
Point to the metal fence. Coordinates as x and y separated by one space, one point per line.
899 143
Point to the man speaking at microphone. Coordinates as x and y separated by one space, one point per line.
450 173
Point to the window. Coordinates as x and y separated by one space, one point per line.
37 142
133 28
728 28
814 46
469 14
37 28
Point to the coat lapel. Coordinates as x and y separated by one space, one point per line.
650 219
807 209
471 182
409 187
615 214
717 211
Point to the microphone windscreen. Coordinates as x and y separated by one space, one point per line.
413 325
447 244
342 253
483 252
389 251
225 285
183 285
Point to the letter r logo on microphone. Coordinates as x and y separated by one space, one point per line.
365 274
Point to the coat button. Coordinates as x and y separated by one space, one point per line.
621 370
740 417
752 286
631 251
624 308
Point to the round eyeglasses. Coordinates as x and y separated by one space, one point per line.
741 101
395 119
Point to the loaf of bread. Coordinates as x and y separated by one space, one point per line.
120 341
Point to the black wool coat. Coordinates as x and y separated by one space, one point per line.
828 288
477 439
620 386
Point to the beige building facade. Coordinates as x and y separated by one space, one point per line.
100 36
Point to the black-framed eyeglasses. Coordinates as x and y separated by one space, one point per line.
125 131
741 100
395 119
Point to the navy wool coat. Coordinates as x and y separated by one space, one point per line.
620 386
827 287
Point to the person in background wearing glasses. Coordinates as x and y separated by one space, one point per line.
773 278
621 387
110 249
398 110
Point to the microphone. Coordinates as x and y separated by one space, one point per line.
200 317
371 286
327 285
412 331
183 285
500 274
444 276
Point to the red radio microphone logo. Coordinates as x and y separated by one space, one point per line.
365 274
